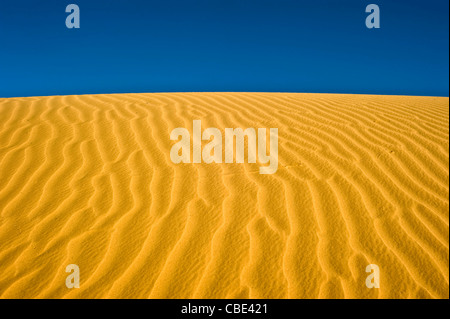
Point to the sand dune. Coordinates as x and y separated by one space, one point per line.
88 180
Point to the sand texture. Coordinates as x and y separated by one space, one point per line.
88 180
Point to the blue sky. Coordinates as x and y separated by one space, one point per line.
224 45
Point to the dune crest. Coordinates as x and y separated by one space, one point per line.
88 180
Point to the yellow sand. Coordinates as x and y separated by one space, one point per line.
88 180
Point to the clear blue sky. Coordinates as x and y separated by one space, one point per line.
224 45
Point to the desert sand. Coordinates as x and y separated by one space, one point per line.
88 180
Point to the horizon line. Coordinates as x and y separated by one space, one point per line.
197 92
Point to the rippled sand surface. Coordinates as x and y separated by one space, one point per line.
88 180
